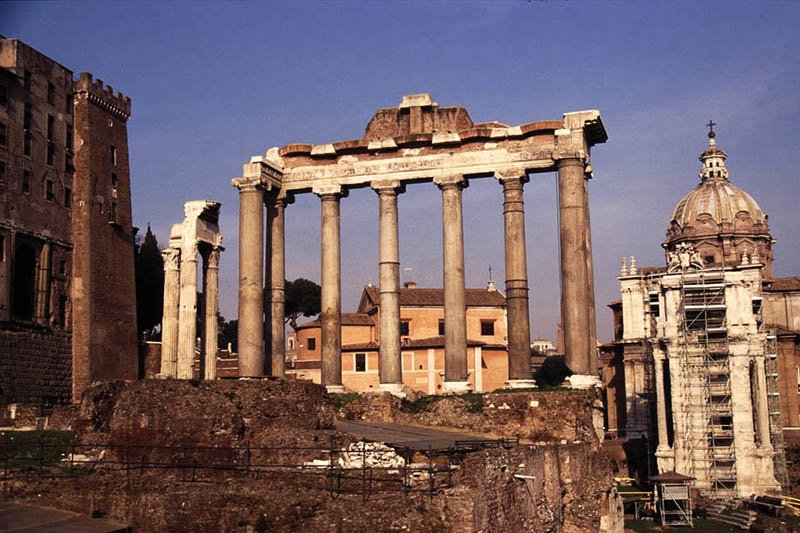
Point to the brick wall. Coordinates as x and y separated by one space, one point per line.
35 365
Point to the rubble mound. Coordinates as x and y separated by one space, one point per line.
210 413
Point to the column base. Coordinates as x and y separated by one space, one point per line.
583 381
395 389
520 384
456 387
335 389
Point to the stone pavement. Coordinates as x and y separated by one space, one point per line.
35 519
406 436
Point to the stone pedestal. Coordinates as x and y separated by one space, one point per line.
395 389
456 387
583 381
520 384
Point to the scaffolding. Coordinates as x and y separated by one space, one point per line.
706 410
774 404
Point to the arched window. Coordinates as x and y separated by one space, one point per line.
23 278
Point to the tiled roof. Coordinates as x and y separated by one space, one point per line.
435 297
348 319
371 346
782 284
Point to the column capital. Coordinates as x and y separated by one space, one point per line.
189 252
330 191
449 182
509 177
388 186
212 261
247 184
172 257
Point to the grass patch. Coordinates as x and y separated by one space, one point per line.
340 401
22 449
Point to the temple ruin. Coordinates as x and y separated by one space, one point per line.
198 233
415 142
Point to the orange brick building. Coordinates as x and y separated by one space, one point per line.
422 338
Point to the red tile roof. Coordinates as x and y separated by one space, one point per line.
434 298
782 284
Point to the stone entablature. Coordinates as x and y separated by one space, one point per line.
414 142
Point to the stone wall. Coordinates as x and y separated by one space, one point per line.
35 365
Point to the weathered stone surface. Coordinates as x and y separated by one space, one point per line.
35 365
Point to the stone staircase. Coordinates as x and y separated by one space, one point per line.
732 513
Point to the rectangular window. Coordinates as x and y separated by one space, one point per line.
441 327
113 214
51 127
68 143
487 328
26 181
27 119
312 344
51 94
51 153
361 362
26 144
68 166
3 96
48 191
2 172
67 197
27 79
405 326
3 134
2 248
113 156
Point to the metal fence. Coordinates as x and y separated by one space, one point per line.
337 469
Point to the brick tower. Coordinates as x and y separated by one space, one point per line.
104 302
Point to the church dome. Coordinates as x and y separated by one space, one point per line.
718 218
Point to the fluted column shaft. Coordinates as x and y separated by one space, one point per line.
251 282
276 267
455 330
331 297
576 298
187 314
390 363
211 294
169 319
519 326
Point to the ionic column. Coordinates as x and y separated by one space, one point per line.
331 315
251 282
276 278
187 314
169 319
519 326
390 363
576 299
456 375
208 369
762 405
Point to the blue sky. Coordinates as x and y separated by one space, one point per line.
214 83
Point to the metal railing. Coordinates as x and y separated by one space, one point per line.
354 474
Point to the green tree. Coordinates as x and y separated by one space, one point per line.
149 272
553 372
302 299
